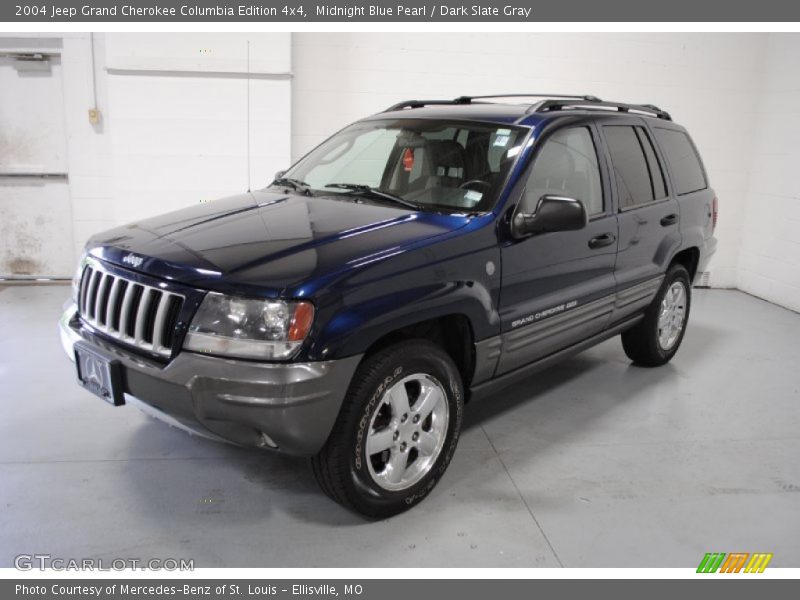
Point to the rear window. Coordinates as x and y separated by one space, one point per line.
687 172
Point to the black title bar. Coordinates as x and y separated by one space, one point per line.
80 11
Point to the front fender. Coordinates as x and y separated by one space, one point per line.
451 277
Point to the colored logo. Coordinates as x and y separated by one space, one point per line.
736 562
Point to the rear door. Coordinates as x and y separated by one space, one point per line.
647 212
695 197
558 288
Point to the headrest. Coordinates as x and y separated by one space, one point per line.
446 153
555 162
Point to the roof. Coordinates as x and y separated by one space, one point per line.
492 112
519 113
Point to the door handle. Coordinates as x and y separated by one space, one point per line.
669 220
602 240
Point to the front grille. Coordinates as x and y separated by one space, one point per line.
136 314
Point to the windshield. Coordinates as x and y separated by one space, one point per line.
446 165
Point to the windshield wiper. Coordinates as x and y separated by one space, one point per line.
296 184
366 190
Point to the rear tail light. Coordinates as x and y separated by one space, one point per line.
714 213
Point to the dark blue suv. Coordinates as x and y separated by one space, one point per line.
419 258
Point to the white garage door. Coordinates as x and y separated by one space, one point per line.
35 210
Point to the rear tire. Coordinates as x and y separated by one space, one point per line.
396 432
655 339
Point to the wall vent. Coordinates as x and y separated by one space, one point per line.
703 279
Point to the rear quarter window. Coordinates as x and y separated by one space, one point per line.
687 171
631 171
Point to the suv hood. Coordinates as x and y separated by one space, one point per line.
264 242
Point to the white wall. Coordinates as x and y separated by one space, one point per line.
707 81
178 117
174 120
81 157
34 192
88 146
174 130
769 262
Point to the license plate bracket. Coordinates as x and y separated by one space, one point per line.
99 374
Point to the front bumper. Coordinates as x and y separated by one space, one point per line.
289 407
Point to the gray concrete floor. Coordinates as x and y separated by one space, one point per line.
592 463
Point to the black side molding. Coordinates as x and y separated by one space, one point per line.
492 386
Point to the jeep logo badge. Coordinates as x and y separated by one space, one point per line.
133 260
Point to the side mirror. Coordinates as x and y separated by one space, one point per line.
280 174
553 213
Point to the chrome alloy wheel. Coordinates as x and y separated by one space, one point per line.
672 315
407 432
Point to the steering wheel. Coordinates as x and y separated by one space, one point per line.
475 182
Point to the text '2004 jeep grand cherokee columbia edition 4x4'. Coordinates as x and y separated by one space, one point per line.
418 258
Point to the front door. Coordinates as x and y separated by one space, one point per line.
558 288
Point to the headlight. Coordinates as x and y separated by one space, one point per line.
249 328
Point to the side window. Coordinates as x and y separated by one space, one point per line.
566 166
657 181
635 184
687 171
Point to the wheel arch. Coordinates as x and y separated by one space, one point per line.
689 258
452 332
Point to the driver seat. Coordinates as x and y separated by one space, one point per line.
447 162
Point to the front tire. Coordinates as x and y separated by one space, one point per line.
655 339
396 432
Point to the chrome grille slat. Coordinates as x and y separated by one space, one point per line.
112 303
91 293
84 289
141 315
124 317
98 300
101 292
161 317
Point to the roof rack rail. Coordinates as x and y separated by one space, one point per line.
469 99
552 102
597 104
420 104
586 97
